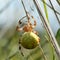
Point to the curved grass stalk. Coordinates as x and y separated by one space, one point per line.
22 18
51 46
45 58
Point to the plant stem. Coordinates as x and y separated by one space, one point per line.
50 7
54 11
25 10
48 29
45 9
22 18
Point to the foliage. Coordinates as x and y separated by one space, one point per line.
58 1
45 9
58 36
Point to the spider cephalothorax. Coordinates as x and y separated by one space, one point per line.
29 39
27 27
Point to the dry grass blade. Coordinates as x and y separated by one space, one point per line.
48 29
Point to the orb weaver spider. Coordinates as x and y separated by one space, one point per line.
29 39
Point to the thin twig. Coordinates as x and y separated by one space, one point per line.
22 18
25 10
50 7
48 29
54 11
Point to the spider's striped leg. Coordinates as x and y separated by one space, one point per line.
34 25
19 28
20 47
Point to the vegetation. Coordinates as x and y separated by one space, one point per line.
9 42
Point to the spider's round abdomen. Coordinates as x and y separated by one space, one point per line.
29 40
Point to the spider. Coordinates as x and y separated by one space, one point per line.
29 39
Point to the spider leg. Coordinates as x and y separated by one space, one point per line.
33 19
19 29
34 25
22 18
28 16
35 32
21 51
20 48
19 22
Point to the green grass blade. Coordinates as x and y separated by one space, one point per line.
45 9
